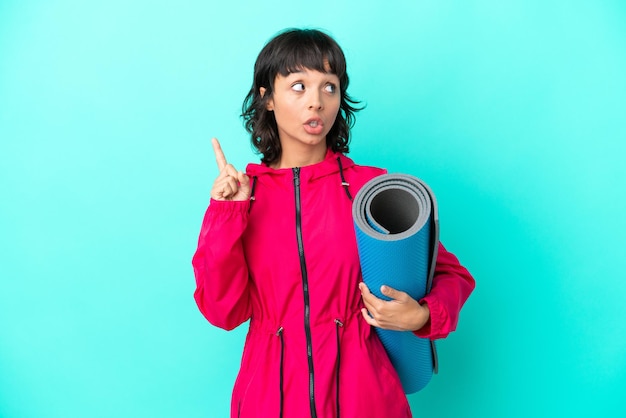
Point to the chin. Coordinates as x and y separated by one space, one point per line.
316 142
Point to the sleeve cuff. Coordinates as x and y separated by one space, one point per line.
432 328
229 206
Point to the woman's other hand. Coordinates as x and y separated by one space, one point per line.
401 313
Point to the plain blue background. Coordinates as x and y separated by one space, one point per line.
512 111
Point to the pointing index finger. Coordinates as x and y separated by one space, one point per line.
219 154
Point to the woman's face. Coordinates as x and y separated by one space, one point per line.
305 104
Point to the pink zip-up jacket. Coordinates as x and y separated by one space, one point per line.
287 260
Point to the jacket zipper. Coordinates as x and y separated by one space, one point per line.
305 288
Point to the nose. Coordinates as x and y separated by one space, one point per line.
315 100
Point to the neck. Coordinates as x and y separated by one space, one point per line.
301 157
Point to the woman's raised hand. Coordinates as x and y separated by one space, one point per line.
230 184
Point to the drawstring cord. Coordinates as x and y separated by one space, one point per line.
279 333
252 198
344 183
338 324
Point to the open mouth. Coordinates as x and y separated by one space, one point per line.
314 126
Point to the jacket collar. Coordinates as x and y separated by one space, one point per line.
310 172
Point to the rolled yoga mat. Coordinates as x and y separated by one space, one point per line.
397 231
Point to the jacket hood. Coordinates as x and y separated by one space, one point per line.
328 166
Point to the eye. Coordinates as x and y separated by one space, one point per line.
297 86
330 88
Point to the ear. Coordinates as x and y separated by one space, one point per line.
269 105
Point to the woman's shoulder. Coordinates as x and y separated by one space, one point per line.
370 170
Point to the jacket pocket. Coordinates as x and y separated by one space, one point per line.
256 388
250 362
389 381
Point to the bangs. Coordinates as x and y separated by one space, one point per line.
312 59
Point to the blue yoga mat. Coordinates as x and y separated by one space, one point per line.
397 231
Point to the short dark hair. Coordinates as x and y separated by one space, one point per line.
290 51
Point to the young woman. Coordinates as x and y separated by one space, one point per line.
277 247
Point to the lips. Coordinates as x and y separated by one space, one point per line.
314 126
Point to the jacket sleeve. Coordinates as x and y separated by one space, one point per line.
222 285
452 285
